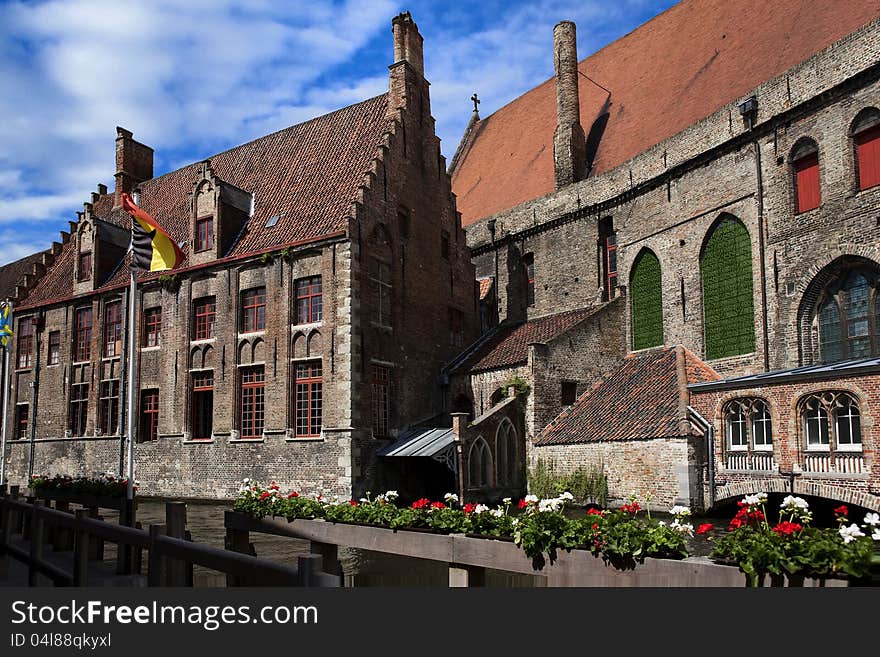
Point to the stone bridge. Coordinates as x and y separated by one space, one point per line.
795 486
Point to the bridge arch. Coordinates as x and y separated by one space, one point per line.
826 490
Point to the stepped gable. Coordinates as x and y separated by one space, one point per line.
309 173
667 74
638 400
510 346
12 274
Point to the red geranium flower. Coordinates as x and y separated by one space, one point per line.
353 502
265 495
469 507
735 523
594 512
705 528
842 510
523 504
595 526
421 504
293 494
786 528
438 505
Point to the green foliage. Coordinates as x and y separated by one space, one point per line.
587 483
728 299
522 388
105 485
170 282
647 301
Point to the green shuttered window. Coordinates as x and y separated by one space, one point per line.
728 299
647 301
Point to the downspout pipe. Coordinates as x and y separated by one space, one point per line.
762 254
710 446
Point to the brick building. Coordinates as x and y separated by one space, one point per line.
326 282
711 180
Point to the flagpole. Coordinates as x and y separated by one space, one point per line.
6 379
132 291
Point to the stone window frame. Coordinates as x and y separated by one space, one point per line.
827 404
483 460
108 406
865 123
506 453
21 421
84 267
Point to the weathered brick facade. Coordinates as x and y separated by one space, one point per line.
397 288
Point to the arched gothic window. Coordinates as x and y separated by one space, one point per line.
748 432
505 454
847 316
647 301
831 423
728 297
479 464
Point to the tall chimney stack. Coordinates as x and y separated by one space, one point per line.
569 143
134 164
408 42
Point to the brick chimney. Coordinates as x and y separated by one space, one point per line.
134 164
407 86
569 143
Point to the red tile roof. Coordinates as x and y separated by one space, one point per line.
308 172
674 70
638 400
510 345
12 273
485 287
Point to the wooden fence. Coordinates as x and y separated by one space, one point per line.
67 547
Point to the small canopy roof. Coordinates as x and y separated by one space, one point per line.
421 441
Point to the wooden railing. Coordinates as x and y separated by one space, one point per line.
61 545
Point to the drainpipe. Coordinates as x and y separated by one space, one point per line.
710 446
762 254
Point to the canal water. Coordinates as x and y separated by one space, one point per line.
360 567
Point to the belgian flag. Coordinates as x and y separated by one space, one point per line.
152 249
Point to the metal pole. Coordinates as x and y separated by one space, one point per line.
130 414
35 398
6 380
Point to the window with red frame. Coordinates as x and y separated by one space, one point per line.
308 400
204 233
806 182
309 300
529 267
152 327
108 406
253 310
608 253
25 342
203 318
22 413
84 266
202 405
82 334
381 398
149 426
868 157
54 348
79 408
252 402
112 329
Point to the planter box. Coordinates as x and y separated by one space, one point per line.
89 501
575 568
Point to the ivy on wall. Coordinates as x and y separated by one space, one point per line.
728 295
647 301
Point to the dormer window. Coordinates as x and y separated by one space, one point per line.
84 268
205 233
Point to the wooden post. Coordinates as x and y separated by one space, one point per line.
175 527
26 519
80 550
155 576
466 576
5 535
96 546
237 541
123 552
36 535
137 557
60 536
330 554
308 568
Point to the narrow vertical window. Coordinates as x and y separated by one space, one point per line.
108 406
308 402
867 145
54 348
24 347
252 402
806 182
84 266
529 271
608 251
79 408
309 300
816 425
647 301
253 310
728 297
149 425
568 392
202 405
152 327
203 318
381 398
204 233
112 329
380 282
22 413
82 334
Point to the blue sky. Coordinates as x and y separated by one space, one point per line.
193 78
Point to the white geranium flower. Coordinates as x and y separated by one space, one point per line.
791 503
662 523
530 498
566 496
507 500
851 533
757 498
451 497
552 504
481 508
391 495
246 480
876 534
872 519
364 500
499 512
679 510
683 527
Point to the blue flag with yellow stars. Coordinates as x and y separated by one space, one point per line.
5 325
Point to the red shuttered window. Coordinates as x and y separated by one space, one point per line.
868 157
806 172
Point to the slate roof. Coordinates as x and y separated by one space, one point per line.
309 173
667 74
638 400
510 345
822 372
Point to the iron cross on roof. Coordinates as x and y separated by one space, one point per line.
476 101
